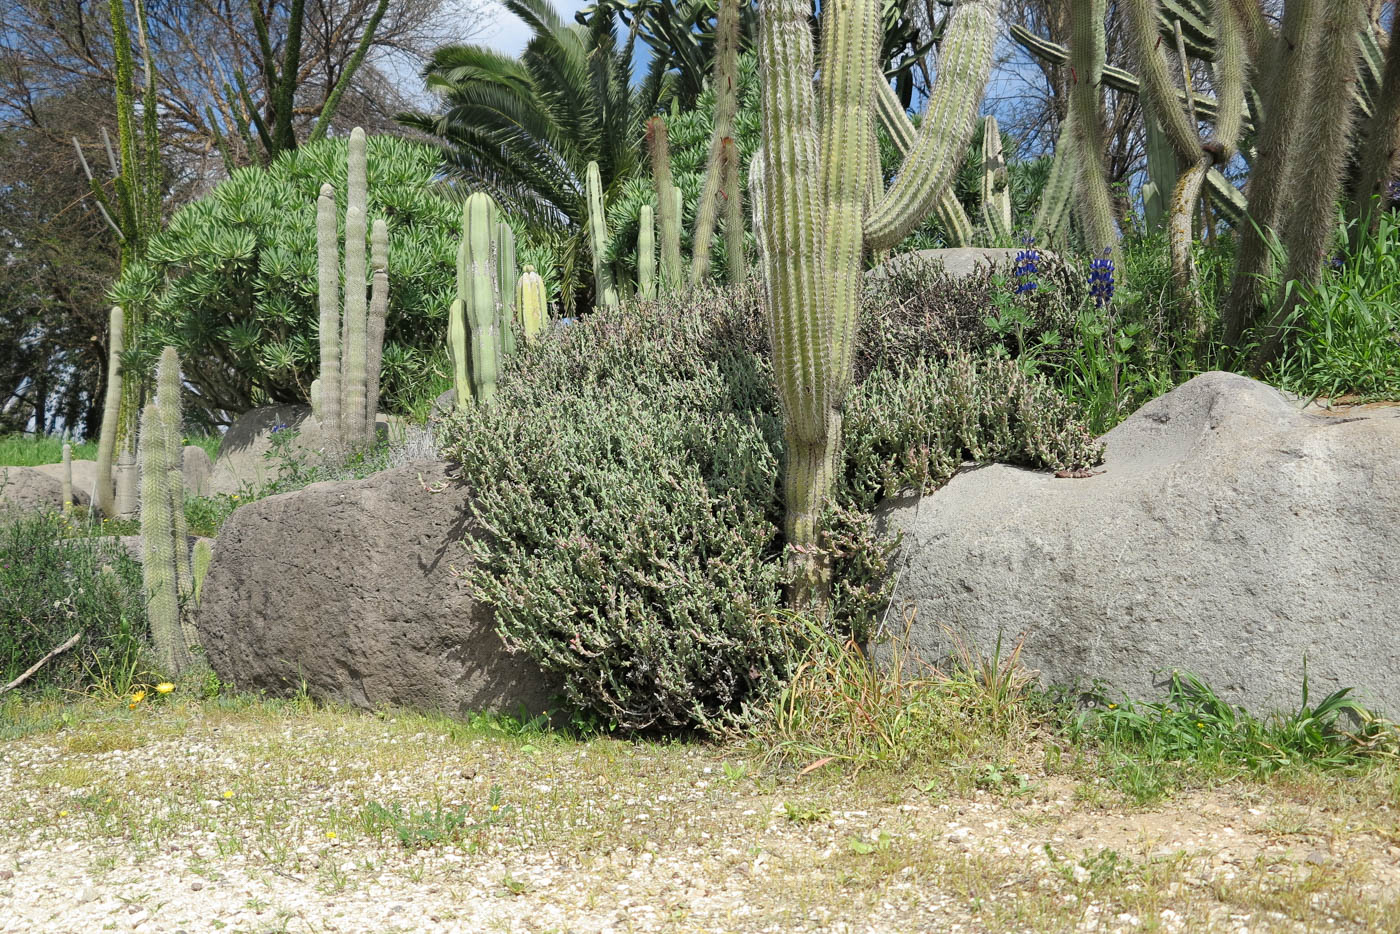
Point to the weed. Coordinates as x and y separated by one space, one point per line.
436 825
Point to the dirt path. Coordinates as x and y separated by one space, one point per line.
250 818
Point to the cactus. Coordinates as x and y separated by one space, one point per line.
505 278
374 331
996 189
457 351
165 561
66 482
128 481
477 293
668 209
813 179
1051 224
718 170
606 295
104 496
735 250
203 557
1161 173
949 209
328 282
1087 51
1382 143
646 253
531 303
354 356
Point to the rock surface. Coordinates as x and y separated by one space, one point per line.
1229 534
196 468
84 478
31 489
243 462
349 586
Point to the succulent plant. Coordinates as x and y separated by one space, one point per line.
104 496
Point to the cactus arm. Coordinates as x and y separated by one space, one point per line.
374 332
66 481
1183 208
203 557
1055 198
1231 64
606 295
896 122
946 128
457 351
1161 170
105 495
1382 142
1087 58
1159 92
505 286
725 83
480 298
531 303
353 353
667 213
171 421
996 192
735 248
328 286
158 546
646 253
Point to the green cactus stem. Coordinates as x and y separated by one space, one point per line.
810 183
128 480
374 331
504 282
203 557
1380 153
725 84
1087 51
996 190
104 496
606 296
327 410
479 296
355 330
1051 223
66 481
668 213
646 253
531 304
168 388
457 349
735 249
1161 171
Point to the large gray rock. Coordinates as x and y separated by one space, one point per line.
196 468
243 461
1229 534
84 478
350 587
30 490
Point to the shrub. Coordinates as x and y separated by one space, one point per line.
628 508
52 587
231 282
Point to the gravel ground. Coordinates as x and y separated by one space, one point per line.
201 817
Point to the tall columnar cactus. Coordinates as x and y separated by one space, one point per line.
646 253
735 249
374 331
459 352
1051 223
1380 153
1161 174
725 83
531 304
996 188
165 572
1087 54
606 294
668 213
814 174
1179 127
66 482
477 293
352 342
504 281
104 496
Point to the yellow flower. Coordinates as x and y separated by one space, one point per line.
62 813
330 835
165 687
137 698
228 794
1112 706
1200 725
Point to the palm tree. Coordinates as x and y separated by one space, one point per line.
525 129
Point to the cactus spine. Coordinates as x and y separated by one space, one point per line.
606 295
717 172
646 253
813 182
531 303
668 209
104 496
477 293
1087 52
996 189
351 343
66 482
735 249
165 562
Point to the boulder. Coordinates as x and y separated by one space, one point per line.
196 468
31 490
350 587
84 479
1228 533
956 261
243 461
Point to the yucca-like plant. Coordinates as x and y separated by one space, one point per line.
812 192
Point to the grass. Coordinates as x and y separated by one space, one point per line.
30 450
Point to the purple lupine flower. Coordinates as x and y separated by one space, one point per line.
1101 279
1027 265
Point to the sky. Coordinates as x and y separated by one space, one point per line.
508 34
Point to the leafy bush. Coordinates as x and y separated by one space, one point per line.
51 587
627 486
231 282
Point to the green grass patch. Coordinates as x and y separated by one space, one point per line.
32 450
